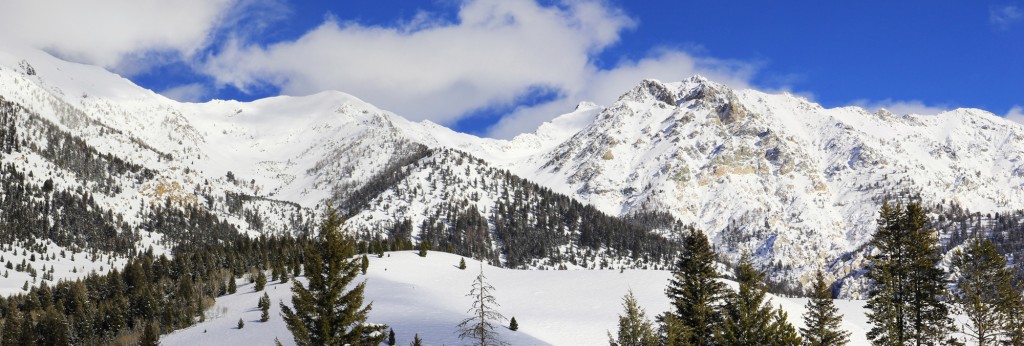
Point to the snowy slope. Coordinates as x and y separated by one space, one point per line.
796 184
427 296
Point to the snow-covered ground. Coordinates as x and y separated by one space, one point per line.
428 296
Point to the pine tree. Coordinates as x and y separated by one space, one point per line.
462 263
782 333
480 326
634 328
150 335
695 292
12 328
241 324
513 325
391 337
264 306
423 249
821 318
325 314
905 304
261 281
364 264
416 341
984 291
747 318
1014 332
232 286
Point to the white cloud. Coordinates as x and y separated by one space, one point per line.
193 92
1003 17
495 52
902 106
123 35
1015 114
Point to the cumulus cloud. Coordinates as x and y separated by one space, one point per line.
1003 17
122 35
902 106
493 54
1015 114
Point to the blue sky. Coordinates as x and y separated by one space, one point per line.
498 68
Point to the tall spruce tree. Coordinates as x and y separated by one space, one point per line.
821 317
479 328
906 302
984 291
782 332
696 295
634 328
748 319
326 314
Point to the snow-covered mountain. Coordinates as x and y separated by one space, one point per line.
775 175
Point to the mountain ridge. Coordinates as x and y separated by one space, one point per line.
775 175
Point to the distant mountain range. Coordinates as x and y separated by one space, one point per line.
774 175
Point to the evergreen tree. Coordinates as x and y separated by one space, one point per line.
462 263
821 318
264 307
324 313
261 281
150 335
479 327
984 291
905 302
695 292
1014 332
634 328
241 324
416 341
748 318
232 286
12 328
513 325
782 333
365 264
423 249
391 337
672 332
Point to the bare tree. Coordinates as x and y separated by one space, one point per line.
480 327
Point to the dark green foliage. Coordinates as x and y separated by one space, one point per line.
984 291
98 309
906 299
748 319
416 341
150 335
695 293
513 325
423 249
781 332
479 328
261 281
391 337
264 306
232 286
462 263
821 318
634 328
324 313
241 324
365 264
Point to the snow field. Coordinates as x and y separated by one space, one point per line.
427 296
